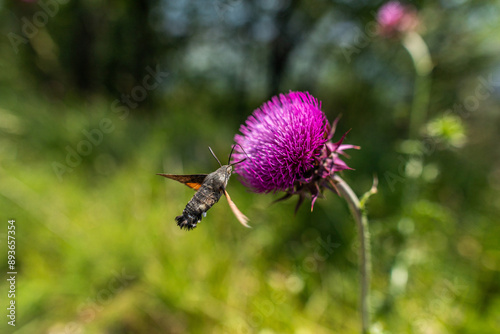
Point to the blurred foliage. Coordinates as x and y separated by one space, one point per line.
97 247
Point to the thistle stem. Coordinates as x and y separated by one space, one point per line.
365 265
420 55
422 61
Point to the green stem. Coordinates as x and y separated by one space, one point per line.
365 265
420 55
421 95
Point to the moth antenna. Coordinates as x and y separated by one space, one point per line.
237 162
230 154
214 155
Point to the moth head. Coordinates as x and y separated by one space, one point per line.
226 171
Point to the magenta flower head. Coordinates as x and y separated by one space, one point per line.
286 144
395 19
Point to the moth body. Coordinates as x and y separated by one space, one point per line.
209 189
207 195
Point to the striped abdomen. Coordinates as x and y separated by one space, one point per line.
202 200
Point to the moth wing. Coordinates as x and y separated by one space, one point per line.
192 181
240 216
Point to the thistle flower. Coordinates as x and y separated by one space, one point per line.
395 18
286 143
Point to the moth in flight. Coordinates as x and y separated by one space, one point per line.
209 189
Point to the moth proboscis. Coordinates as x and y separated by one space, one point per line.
209 189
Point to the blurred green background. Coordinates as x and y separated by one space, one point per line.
97 97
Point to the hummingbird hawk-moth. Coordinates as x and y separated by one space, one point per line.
209 189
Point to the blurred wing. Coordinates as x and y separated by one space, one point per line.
240 216
192 181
